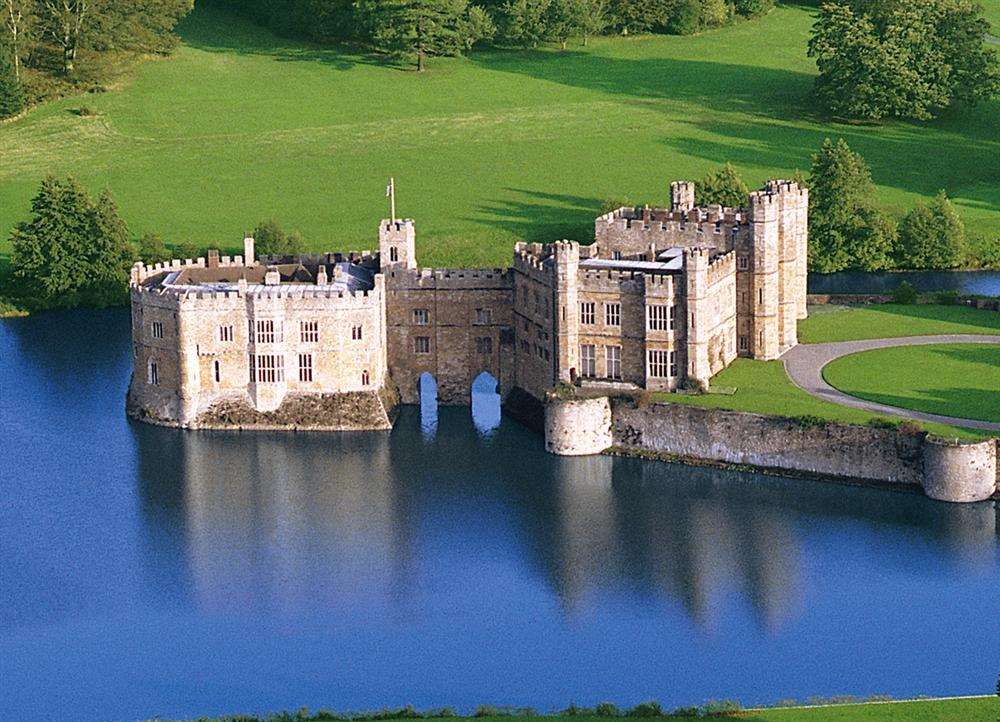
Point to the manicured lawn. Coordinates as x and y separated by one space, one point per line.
763 387
844 323
992 14
488 149
949 379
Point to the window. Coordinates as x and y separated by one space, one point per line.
356 333
421 316
673 364
587 313
588 360
157 329
613 314
225 333
269 331
613 356
422 344
484 316
673 317
309 331
393 254
760 339
742 263
760 296
484 344
616 255
658 364
270 369
153 374
365 378
306 367
217 371
744 343
657 317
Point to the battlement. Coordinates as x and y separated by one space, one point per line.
141 272
448 278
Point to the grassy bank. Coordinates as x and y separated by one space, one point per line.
488 149
976 709
949 379
850 323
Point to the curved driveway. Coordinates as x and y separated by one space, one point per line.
804 364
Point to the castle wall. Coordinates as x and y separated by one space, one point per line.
577 427
453 324
711 313
535 354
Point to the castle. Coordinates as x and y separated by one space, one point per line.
663 298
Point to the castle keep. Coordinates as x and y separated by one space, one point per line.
663 298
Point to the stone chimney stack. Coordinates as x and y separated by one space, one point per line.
321 278
272 277
681 196
213 259
248 255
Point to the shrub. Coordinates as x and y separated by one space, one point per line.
645 710
271 240
910 428
607 709
904 293
12 97
611 204
720 708
486 710
152 249
946 298
808 421
881 423
753 8
85 111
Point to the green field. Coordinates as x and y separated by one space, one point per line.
487 149
978 709
950 379
992 13
848 323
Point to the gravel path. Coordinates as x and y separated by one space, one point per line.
804 364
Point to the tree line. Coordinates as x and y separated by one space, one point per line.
420 28
43 42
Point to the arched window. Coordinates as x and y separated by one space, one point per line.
365 378
217 370
153 374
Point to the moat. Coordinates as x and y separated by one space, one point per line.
149 571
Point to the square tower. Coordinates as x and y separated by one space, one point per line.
397 244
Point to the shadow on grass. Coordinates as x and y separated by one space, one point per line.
542 217
945 314
960 403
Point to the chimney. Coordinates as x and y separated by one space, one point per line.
248 256
213 259
338 274
321 279
272 277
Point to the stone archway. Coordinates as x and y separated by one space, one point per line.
486 402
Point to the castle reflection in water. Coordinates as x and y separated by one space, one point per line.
363 523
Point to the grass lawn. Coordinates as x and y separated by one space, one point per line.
979 709
846 323
763 387
949 379
992 14
498 146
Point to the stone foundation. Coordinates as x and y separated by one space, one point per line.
960 472
577 427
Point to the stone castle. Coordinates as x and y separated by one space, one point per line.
663 298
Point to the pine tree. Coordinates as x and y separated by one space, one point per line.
424 27
846 231
724 187
932 236
12 97
109 255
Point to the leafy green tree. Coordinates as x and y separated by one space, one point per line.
12 97
753 8
152 249
17 19
565 19
72 251
595 18
425 27
139 25
906 58
723 186
524 22
685 17
271 240
714 13
932 236
189 250
846 231
640 16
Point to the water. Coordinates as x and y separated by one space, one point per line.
148 571
980 283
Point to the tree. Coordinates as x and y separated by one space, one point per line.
425 27
17 19
271 240
753 8
12 97
64 22
525 22
907 58
595 18
724 187
640 16
152 249
846 231
72 251
564 19
932 236
139 25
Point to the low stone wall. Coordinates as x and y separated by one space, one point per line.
946 471
577 427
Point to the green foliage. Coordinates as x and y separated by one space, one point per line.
686 17
12 96
523 22
932 236
73 251
753 8
189 250
905 293
904 59
271 240
846 231
645 710
425 27
723 187
946 298
152 249
606 709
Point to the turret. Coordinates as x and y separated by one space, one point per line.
681 196
567 312
397 243
248 252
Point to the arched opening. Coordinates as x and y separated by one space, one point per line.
428 404
485 403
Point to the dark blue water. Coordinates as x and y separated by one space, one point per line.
979 283
149 571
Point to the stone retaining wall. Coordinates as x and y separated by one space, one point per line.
577 427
